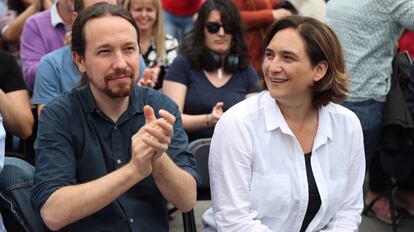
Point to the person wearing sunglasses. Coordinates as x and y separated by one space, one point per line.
213 72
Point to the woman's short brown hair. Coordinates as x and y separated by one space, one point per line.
321 44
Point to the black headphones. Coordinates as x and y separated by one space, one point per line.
212 61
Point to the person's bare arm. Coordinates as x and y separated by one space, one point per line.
177 92
149 142
98 193
16 111
176 185
95 195
15 28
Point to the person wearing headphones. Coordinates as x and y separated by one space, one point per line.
213 72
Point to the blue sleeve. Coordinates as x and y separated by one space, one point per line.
252 80
55 162
179 70
46 85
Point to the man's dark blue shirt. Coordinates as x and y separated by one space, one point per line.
77 143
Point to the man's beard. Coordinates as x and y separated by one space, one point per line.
118 90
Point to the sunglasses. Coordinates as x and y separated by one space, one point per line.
215 27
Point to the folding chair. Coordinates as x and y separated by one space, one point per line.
200 149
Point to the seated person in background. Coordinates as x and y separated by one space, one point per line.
42 33
213 72
15 111
158 49
11 23
101 153
291 158
57 72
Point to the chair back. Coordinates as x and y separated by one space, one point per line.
200 148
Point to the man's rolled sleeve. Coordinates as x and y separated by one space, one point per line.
55 160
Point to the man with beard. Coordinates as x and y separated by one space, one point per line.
110 154
57 73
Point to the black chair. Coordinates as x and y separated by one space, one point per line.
189 222
200 149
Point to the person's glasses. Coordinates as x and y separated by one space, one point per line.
215 27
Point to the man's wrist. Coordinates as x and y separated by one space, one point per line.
157 160
132 172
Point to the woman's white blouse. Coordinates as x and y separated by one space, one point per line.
258 174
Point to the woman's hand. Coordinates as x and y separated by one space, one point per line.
215 114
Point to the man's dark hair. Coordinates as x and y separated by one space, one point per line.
98 10
194 45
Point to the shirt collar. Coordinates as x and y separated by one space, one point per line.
136 102
273 116
324 126
274 119
54 15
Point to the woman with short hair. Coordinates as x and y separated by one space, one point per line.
290 158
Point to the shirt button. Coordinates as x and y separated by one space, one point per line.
118 161
115 128
131 220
